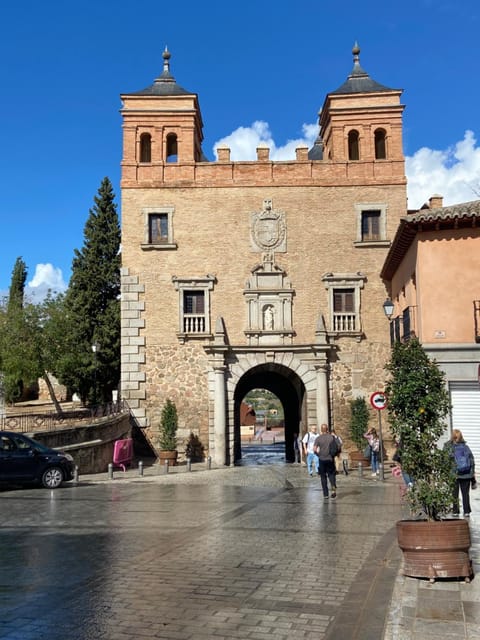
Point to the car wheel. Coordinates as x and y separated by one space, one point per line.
52 478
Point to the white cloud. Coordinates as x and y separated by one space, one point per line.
46 278
453 173
243 142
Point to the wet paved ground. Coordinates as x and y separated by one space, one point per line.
247 552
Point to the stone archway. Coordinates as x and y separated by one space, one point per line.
289 389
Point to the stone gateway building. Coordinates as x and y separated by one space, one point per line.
261 274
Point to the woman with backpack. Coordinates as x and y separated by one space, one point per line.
465 471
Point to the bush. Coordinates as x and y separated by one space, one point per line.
359 422
168 427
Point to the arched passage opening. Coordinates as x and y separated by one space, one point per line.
287 387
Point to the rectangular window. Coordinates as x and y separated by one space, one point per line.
343 301
344 294
194 302
194 305
344 316
157 228
370 225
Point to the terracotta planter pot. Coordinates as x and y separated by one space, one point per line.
171 456
435 549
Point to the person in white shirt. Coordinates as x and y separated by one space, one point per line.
308 441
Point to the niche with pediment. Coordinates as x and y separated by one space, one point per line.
268 294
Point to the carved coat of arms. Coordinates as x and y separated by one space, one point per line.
268 229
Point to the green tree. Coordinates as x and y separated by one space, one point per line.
92 305
18 348
16 292
168 427
417 405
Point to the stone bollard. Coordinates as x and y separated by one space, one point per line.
110 470
209 463
140 467
189 464
75 474
360 469
165 466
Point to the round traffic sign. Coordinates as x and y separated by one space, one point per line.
378 400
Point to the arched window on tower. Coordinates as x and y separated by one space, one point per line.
380 144
172 148
353 145
145 147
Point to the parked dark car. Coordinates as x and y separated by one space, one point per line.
23 460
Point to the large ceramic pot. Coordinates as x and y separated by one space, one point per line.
171 456
435 549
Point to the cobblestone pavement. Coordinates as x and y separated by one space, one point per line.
246 552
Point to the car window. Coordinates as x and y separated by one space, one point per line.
6 444
25 443
20 443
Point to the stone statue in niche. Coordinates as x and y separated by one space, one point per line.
268 318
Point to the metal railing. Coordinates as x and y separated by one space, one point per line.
476 317
51 421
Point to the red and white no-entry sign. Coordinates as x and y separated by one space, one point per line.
378 400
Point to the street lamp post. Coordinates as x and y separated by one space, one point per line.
388 308
95 349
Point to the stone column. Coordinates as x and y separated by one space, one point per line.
219 415
322 395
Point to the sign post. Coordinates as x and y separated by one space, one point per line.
378 400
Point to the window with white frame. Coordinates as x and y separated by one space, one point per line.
158 228
371 224
194 305
344 302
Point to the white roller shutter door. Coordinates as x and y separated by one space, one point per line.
465 398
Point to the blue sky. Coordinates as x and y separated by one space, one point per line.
261 69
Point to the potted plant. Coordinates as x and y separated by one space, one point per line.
418 402
358 426
168 433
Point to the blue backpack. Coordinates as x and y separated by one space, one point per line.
462 458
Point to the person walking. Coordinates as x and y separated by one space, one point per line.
326 448
308 442
374 442
465 472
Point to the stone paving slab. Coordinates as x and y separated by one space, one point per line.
244 552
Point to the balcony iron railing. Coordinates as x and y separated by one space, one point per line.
476 317
402 327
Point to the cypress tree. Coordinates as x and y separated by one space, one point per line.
93 305
19 354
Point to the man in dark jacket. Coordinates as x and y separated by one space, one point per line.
325 447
